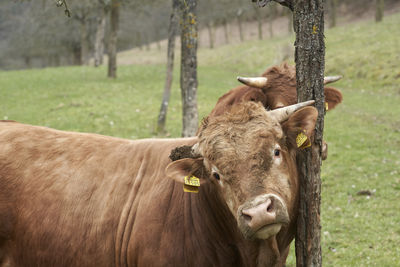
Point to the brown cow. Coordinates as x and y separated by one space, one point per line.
275 89
278 90
75 199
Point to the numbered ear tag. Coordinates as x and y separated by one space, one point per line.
302 141
191 184
326 106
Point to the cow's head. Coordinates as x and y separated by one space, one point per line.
249 155
278 85
276 88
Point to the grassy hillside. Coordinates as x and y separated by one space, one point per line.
363 133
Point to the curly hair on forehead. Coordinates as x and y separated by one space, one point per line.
234 136
238 114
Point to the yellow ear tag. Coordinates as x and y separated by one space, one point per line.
191 184
326 106
302 141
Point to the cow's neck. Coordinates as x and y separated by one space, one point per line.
210 210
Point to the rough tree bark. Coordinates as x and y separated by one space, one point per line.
112 42
310 59
99 40
189 37
172 31
379 10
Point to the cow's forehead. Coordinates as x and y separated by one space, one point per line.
241 135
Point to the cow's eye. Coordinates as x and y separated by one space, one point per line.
277 152
216 176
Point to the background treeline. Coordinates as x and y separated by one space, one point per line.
38 34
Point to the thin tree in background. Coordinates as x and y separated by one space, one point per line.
82 16
112 43
210 28
189 40
271 17
379 7
226 32
239 14
100 32
289 15
172 31
333 11
259 22
308 17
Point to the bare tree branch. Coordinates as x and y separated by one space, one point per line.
64 3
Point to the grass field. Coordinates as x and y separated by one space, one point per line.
363 132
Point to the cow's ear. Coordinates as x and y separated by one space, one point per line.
299 128
333 97
179 169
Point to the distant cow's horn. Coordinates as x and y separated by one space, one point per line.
331 79
258 82
282 114
196 151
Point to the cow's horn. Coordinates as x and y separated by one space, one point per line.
331 79
196 151
258 82
282 114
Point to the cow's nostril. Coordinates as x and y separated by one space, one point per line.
270 207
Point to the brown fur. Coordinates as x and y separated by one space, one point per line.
279 92
240 144
73 199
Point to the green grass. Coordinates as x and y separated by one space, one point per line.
363 132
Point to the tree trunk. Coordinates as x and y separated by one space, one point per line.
99 41
379 10
271 29
157 32
189 67
259 22
172 31
84 41
139 40
210 34
27 60
147 38
112 43
239 20
290 21
226 33
76 52
310 59
333 9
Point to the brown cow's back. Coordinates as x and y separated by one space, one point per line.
89 178
74 199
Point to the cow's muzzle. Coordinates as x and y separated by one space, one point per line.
262 217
